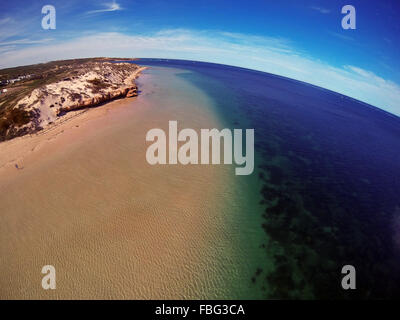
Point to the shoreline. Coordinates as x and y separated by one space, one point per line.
49 91
128 91
87 202
20 145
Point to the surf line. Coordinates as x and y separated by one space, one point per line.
188 152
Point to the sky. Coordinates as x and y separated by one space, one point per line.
299 39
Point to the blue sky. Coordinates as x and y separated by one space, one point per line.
300 39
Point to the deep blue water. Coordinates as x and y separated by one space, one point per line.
330 170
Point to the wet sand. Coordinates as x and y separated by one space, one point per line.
86 201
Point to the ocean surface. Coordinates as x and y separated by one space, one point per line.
327 185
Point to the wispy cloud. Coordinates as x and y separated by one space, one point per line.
273 55
25 41
320 9
110 6
341 36
5 20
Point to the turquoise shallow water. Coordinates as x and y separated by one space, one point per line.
240 245
326 189
116 227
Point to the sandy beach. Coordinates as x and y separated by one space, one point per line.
85 200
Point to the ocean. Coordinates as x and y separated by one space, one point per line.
329 177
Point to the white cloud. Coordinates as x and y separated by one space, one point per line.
341 36
25 41
273 55
110 6
20 27
5 20
320 9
